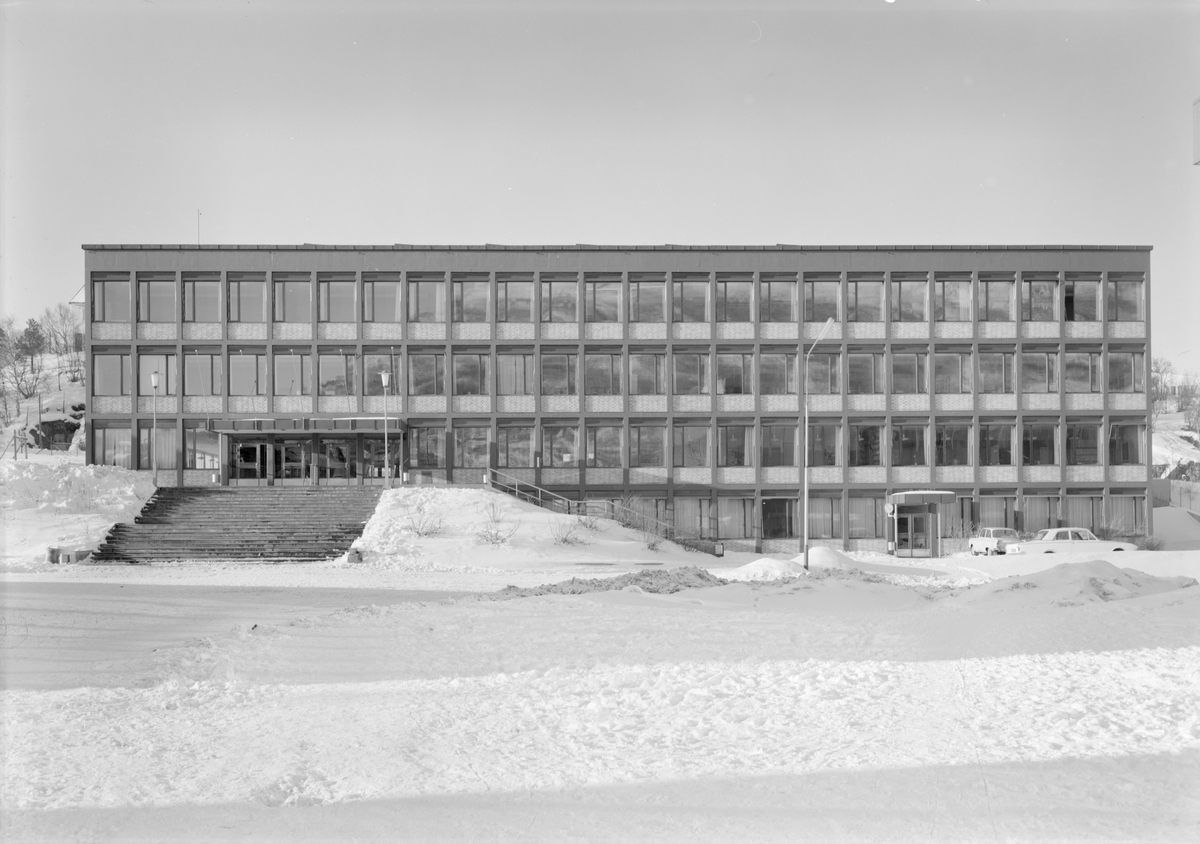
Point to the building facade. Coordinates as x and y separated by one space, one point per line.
1011 380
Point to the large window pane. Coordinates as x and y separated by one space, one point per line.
952 373
647 446
1125 301
691 374
426 298
733 296
995 372
515 447
824 518
778 445
1039 372
1039 297
995 445
202 374
110 298
1125 444
514 375
865 445
824 374
471 448
1082 372
1038 444
823 444
470 297
514 297
293 374
689 298
427 448
602 374
201 297
148 365
558 375
247 297
690 447
734 445
374 365
995 297
471 374
293 297
647 374
111 375
866 373
908 445
778 297
864 297
777 374
559 298
336 375
647 297
336 292
952 297
381 298
602 292
158 446
1081 297
821 294
201 448
953 444
867 518
604 447
156 297
426 374
112 447
1083 444
735 374
247 374
560 446
909 292
779 518
908 374
1126 372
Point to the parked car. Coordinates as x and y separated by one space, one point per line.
992 540
1065 540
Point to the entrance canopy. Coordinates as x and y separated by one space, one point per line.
922 496
317 425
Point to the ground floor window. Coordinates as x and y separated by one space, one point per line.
202 449
1041 512
997 511
471 448
735 518
427 449
693 517
824 518
1085 511
515 447
867 517
157 446
779 518
112 447
374 465
1127 514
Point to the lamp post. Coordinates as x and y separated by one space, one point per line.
804 452
154 425
387 470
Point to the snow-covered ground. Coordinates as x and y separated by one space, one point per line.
405 698
1173 444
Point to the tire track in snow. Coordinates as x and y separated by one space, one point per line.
217 741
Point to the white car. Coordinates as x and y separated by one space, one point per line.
992 540
1066 540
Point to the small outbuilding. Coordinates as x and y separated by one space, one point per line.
915 521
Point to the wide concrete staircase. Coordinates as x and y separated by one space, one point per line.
264 524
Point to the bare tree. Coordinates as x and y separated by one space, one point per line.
1189 401
21 359
1161 370
60 326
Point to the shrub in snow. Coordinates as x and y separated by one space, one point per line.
496 529
566 532
426 523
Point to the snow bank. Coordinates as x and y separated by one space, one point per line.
70 487
1074 584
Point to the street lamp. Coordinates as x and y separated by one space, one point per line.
387 470
154 425
804 451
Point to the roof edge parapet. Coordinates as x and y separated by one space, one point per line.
587 247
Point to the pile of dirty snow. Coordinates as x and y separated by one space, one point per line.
662 581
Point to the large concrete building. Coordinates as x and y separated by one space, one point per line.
996 385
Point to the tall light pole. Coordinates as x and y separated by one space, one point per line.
387 470
804 451
154 425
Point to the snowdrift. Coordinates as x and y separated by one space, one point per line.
1074 584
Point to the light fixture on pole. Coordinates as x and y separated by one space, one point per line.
154 425
387 469
804 450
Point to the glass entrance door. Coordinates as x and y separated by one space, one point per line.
293 462
912 535
338 462
249 461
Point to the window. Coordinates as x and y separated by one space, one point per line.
247 374
112 447
514 375
821 294
824 375
1039 297
471 448
778 445
823 444
558 375
735 374
514 297
515 447
602 297
201 374
293 374
164 365
472 374
381 298
201 297
1125 297
734 291
157 446
952 297
689 297
867 517
156 297
866 373
1081 297
995 445
426 374
865 447
426 297
952 373
602 374
777 374
735 518
1038 444
690 446
996 372
560 446
470 296
864 297
427 448
201 448
777 297
779 518
293 297
998 510
824 518
335 296
909 291
735 445
1125 444
647 446
1082 372
1127 513
647 374
1083 444
690 371
1126 372
996 297
908 445
336 375
110 299
1039 372
247 297
604 446
647 297
374 365
909 375
111 375
951 444
559 295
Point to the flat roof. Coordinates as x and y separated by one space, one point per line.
591 247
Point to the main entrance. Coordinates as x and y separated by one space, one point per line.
916 521
288 457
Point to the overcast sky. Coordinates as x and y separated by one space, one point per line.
848 122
